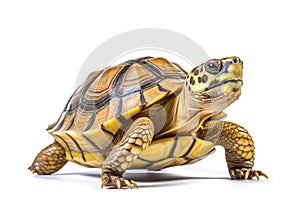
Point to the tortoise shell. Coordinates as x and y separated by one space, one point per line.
101 109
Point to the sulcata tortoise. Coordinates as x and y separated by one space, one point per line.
148 113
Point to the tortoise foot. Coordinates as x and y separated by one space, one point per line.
245 173
49 160
110 179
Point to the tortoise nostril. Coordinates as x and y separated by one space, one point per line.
235 89
236 60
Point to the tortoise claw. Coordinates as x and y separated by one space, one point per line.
256 175
118 183
109 179
32 169
104 182
232 174
246 174
128 183
134 184
264 175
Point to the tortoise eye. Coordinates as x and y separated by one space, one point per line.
213 66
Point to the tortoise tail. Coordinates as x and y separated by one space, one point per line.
49 160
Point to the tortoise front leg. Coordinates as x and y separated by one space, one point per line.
136 139
238 145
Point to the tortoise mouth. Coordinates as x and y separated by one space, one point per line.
222 90
217 84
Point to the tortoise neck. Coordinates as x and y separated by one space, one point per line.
188 103
195 107
189 110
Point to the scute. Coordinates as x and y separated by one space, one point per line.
174 151
98 108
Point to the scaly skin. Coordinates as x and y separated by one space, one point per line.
238 145
49 160
136 139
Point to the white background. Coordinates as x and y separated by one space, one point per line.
43 45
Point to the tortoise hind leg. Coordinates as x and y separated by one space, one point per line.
136 139
49 160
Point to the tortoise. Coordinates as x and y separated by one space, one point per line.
149 113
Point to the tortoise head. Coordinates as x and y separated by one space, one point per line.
217 80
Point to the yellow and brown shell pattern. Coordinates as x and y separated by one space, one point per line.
99 111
